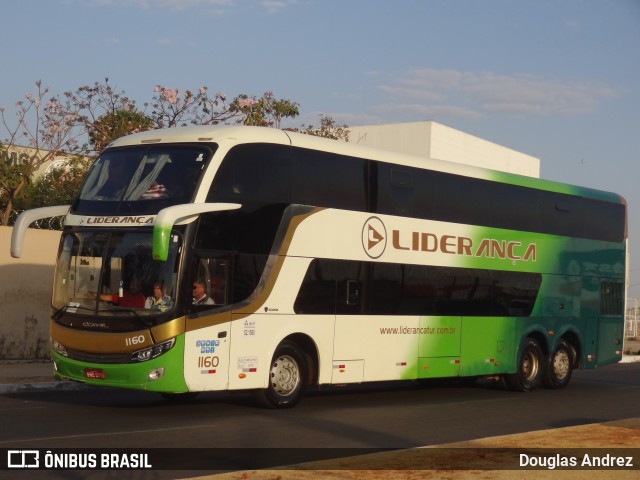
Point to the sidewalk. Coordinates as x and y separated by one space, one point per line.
28 376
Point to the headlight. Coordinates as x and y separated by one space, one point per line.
153 352
59 348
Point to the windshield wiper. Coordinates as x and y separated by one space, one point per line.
144 321
71 308
57 315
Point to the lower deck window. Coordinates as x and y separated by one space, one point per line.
348 287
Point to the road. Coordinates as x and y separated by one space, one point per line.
381 416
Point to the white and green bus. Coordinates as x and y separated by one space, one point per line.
326 263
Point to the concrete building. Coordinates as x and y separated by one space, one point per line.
18 155
434 140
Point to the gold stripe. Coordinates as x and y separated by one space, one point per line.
107 342
168 330
100 342
207 321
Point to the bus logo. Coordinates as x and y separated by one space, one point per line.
374 237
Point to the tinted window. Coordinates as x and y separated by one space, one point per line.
394 289
329 180
259 172
142 180
276 173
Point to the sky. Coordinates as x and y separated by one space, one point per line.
555 79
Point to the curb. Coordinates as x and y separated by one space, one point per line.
41 387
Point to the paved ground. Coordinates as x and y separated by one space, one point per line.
484 458
477 459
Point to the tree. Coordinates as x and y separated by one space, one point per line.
102 114
173 107
266 111
177 108
59 186
42 125
328 129
117 124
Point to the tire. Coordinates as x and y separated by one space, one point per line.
530 368
559 366
288 376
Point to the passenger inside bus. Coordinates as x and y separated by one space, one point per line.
159 300
132 298
200 296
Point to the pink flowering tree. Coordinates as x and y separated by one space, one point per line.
172 107
266 111
45 127
328 128
103 114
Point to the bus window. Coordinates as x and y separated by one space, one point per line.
260 172
112 273
141 179
210 280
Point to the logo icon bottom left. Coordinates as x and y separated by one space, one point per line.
23 459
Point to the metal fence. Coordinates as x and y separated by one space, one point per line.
632 318
52 223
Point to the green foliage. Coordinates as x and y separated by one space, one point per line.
328 129
117 124
58 187
13 178
266 111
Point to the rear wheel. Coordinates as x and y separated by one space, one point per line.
559 366
529 369
288 376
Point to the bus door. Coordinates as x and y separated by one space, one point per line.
207 338
372 342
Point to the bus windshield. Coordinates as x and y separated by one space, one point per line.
142 180
113 273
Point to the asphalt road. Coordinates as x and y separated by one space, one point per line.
379 416
362 418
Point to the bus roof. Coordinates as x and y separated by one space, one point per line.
227 136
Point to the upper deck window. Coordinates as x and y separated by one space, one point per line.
142 180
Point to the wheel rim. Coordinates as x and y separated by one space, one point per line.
561 364
285 375
530 366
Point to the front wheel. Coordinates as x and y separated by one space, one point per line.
287 378
559 366
529 369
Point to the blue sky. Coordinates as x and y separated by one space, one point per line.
556 79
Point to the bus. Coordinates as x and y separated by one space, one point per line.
282 261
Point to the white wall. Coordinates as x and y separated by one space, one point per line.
434 140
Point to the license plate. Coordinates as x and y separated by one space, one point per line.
95 373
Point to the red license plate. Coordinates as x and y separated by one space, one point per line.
95 373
